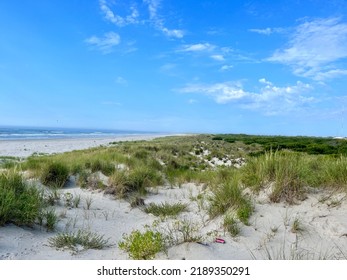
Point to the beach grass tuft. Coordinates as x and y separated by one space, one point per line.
166 209
20 203
84 238
55 175
230 224
228 195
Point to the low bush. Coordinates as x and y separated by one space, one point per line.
142 246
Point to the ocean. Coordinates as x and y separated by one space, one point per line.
25 133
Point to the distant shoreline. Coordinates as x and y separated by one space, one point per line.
26 147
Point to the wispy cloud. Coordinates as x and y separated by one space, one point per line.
218 57
267 31
197 47
134 17
105 43
220 92
158 22
315 48
118 20
226 67
212 51
269 99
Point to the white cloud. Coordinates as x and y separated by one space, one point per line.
116 19
220 92
158 22
330 74
134 17
172 32
314 48
269 99
198 47
153 6
218 57
226 67
106 43
267 31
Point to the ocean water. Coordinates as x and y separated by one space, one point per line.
24 133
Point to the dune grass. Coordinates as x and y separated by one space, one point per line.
86 239
132 167
228 195
291 173
135 180
55 175
166 209
230 224
20 203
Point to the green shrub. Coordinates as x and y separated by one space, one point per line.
55 175
142 246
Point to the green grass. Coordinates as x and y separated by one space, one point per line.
20 203
230 224
166 209
86 239
291 173
289 165
228 195
55 175
135 180
51 219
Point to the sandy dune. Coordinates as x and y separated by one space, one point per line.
322 234
320 231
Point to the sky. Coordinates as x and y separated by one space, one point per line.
194 66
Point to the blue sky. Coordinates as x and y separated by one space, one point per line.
256 67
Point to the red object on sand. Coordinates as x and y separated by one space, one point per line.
220 240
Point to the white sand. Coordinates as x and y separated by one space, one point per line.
322 218
269 235
25 148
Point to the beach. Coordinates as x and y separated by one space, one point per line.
314 228
25 148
